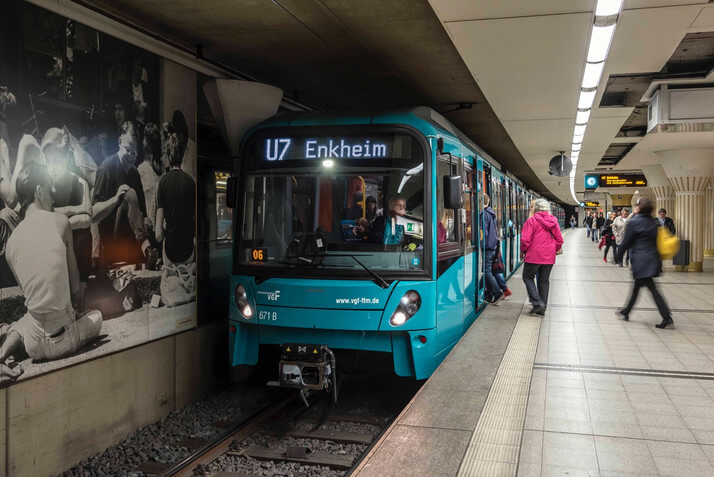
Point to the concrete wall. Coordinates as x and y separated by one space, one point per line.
51 422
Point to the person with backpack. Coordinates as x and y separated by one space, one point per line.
491 244
641 240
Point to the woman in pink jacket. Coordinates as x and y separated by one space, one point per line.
540 240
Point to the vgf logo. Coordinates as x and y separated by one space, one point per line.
271 295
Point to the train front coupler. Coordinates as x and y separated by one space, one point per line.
307 368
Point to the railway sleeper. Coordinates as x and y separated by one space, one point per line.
296 454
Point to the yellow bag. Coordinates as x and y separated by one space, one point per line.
667 244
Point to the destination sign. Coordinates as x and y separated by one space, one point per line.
589 203
300 144
593 181
287 148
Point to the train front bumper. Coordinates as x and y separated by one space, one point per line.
413 352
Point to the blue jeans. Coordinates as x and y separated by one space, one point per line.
588 231
492 288
501 281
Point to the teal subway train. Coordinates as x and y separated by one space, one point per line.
363 233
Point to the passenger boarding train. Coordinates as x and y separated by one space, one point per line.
363 233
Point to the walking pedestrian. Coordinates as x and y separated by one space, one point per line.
589 225
573 222
599 222
609 237
540 240
641 238
618 230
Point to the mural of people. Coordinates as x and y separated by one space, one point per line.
97 173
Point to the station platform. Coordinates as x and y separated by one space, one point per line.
577 392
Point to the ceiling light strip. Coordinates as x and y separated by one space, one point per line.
603 30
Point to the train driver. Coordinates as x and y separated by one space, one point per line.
385 229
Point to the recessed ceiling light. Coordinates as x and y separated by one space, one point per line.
586 99
592 74
605 8
600 39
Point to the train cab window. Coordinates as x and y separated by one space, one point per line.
445 225
224 216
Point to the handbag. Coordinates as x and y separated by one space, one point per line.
178 284
667 244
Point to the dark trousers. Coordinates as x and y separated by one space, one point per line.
659 299
625 258
610 242
537 288
492 288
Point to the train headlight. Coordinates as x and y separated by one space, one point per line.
242 302
408 306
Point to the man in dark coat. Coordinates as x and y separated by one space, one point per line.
589 224
666 221
490 242
641 239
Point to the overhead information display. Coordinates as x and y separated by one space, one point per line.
593 181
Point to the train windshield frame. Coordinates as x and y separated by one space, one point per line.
326 202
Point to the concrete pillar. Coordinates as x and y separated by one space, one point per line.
664 196
709 219
662 191
689 172
689 216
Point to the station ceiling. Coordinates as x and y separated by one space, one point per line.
339 54
528 57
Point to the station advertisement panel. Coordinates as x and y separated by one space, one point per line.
97 194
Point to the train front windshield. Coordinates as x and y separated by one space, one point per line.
323 204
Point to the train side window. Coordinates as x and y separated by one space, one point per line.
445 224
224 215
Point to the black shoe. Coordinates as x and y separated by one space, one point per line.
624 314
152 258
620 264
665 323
537 310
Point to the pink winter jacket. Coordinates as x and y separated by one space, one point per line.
536 240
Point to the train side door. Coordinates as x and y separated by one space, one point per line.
449 257
478 191
469 243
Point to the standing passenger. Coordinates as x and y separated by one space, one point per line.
490 237
540 240
618 230
609 237
665 221
641 237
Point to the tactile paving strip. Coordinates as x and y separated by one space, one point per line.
495 443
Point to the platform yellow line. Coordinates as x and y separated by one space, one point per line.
495 444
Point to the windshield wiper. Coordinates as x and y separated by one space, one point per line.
376 278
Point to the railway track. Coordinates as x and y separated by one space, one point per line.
262 437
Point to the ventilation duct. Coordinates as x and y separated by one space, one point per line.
238 105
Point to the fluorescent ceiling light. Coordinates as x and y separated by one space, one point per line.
600 39
605 8
593 72
577 139
575 147
582 117
586 99
580 129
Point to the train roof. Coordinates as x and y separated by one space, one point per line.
423 118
